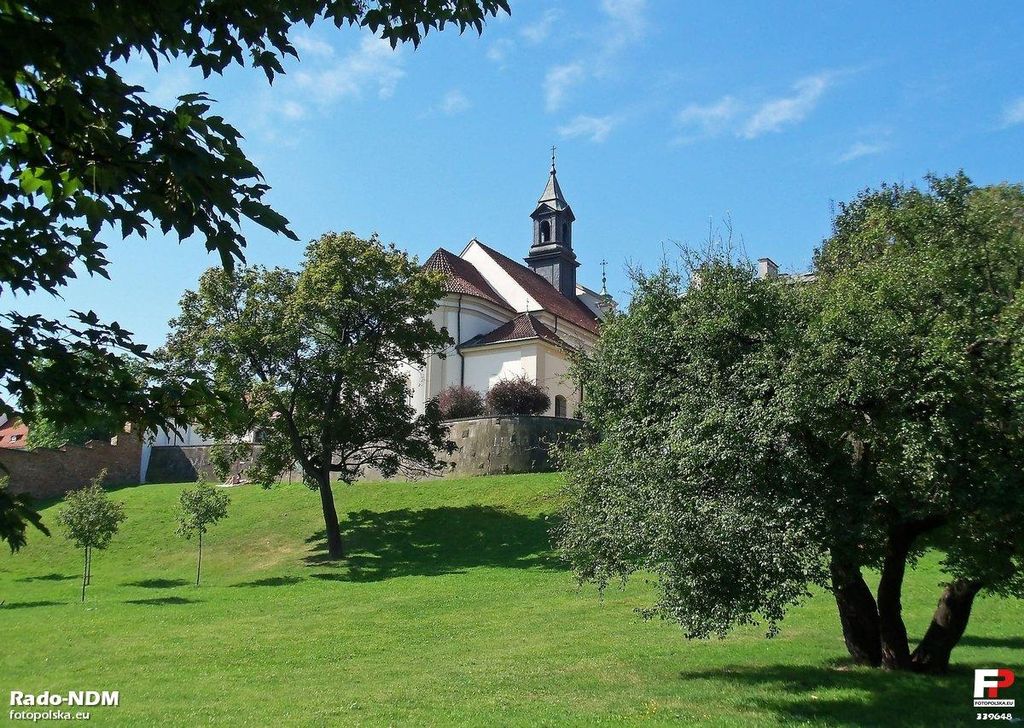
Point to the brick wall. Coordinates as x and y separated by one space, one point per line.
49 473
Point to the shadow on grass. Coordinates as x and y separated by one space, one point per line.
162 601
51 577
435 541
158 583
272 581
29 605
868 697
1016 643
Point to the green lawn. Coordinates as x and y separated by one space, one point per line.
451 610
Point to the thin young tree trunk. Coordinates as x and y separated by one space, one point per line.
334 544
947 627
892 630
858 613
85 571
88 565
199 563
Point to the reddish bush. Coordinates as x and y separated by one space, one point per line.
455 402
517 396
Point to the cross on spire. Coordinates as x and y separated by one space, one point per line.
604 277
553 157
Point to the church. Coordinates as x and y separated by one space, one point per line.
510 320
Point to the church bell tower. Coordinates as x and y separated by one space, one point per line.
551 254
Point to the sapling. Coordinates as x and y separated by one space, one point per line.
90 519
201 507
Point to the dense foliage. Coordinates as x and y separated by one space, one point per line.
755 437
517 396
201 507
45 431
90 519
16 515
455 401
316 361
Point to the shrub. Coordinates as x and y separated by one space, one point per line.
457 402
518 396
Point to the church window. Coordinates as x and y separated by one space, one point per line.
560 409
545 231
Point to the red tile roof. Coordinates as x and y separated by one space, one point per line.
13 434
549 297
523 326
462 277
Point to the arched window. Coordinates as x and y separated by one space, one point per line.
545 231
560 409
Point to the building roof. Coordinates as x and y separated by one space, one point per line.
462 277
549 297
552 194
524 326
13 434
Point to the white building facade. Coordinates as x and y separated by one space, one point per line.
510 320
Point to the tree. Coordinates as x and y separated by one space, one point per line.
45 431
201 507
455 401
755 437
86 159
517 396
16 515
90 519
316 361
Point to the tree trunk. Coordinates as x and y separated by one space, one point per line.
947 627
85 571
858 613
892 630
199 563
334 545
88 565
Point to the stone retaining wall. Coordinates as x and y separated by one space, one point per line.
497 445
487 446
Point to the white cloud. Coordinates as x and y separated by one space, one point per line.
500 50
309 46
293 110
594 128
454 102
773 115
712 119
373 66
1013 114
862 149
558 81
627 23
538 32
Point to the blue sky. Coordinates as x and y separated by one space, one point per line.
667 115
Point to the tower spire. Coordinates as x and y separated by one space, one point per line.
551 254
604 277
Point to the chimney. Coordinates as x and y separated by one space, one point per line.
767 268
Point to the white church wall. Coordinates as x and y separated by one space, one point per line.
477 317
553 377
485 367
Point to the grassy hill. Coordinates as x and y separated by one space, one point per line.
451 610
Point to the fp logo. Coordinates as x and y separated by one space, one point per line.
988 683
